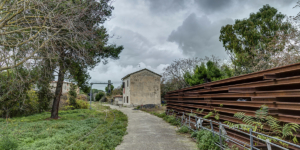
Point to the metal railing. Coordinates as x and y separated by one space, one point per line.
223 136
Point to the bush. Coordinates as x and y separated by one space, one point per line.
183 129
82 97
73 95
80 104
99 96
172 120
206 140
7 143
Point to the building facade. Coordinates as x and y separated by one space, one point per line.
65 88
141 87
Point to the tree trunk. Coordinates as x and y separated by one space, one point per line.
58 92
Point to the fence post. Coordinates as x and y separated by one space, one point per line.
196 119
200 123
182 118
220 133
189 120
251 139
212 128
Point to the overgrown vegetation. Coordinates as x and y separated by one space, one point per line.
205 139
262 122
99 96
73 96
76 129
183 129
208 73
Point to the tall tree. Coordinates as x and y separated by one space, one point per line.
79 51
109 90
250 37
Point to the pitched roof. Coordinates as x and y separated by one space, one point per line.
140 71
118 96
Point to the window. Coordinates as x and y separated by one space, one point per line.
127 99
127 83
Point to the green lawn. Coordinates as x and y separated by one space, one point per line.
76 129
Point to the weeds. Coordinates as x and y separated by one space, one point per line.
183 129
8 143
206 140
36 132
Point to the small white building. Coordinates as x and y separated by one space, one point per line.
141 87
118 100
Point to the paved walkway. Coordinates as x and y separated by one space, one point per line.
148 132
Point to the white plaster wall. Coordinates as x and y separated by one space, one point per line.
127 91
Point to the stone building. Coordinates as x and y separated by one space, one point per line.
141 87
65 88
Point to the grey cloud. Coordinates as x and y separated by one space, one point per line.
164 6
139 49
219 6
209 6
198 36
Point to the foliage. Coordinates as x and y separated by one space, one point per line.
117 91
262 121
111 89
208 73
76 56
99 96
168 118
80 104
172 120
206 140
249 38
17 96
8 143
35 132
174 75
183 129
73 95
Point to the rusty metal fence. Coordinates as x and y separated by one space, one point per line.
220 131
278 88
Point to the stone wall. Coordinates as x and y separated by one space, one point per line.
144 88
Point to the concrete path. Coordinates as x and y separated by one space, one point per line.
148 132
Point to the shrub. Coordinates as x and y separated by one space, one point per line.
80 104
73 95
99 96
162 115
7 143
82 97
172 120
183 129
206 140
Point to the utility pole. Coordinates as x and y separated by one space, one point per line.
91 93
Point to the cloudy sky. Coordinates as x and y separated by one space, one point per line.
156 32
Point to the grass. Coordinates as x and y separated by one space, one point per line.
76 129
204 139
160 112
